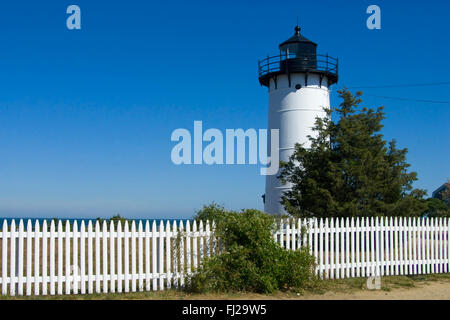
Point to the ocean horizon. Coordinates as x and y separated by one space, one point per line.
86 220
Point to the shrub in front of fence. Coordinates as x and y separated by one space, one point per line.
250 259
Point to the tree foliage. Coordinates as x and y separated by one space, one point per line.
349 170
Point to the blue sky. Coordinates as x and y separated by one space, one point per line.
86 115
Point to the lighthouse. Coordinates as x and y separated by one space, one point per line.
299 82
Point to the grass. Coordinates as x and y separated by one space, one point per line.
337 286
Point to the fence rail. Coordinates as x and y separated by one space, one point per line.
71 259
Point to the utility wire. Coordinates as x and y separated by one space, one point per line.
402 85
407 99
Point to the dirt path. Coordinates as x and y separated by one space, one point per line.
438 290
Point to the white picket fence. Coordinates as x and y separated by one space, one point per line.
96 259
364 247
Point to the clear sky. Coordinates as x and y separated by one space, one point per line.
86 115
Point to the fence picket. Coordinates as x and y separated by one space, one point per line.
343 248
363 247
5 258
181 244
332 249
161 255
75 280
175 254
377 248
66 257
445 245
12 260
309 226
154 266
414 244
401 245
36 257
168 254
338 250
97 258
83 257
188 247
90 258
319 247
126 257
104 257
52 257
410 263
28 257
440 259
194 245
140 257
45 236
448 244
381 248
327 264
428 237
352 247
133 256
432 247
119 258
60 257
347 248
112 255
293 235
201 246
147 256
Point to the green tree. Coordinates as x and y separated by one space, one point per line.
349 170
436 208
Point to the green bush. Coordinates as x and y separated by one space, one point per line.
251 260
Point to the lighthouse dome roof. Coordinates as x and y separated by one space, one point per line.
297 38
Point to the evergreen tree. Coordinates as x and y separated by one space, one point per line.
349 170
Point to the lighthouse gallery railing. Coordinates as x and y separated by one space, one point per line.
319 62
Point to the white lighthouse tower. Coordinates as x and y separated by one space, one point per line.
299 82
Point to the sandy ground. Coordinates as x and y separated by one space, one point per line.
395 288
438 290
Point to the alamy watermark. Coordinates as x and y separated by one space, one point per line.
191 150
374 20
373 283
74 20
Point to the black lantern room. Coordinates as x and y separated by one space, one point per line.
298 55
